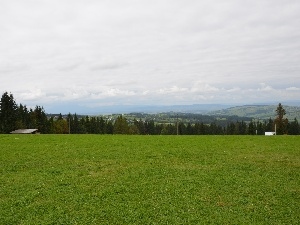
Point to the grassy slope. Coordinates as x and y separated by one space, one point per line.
93 179
259 111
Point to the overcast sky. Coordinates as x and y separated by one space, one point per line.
144 52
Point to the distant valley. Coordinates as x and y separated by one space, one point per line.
262 112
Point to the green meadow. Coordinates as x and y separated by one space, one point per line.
120 179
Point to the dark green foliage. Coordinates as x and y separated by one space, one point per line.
23 120
121 126
251 128
41 120
231 128
293 127
8 113
109 127
13 117
280 121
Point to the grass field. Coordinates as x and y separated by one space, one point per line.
101 179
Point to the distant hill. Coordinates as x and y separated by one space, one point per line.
258 111
123 109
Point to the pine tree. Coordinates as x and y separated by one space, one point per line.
294 127
41 120
121 126
70 123
102 126
281 123
61 125
189 129
23 117
251 128
76 127
109 127
8 113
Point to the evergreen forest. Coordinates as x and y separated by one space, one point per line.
15 116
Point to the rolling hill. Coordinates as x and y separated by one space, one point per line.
258 111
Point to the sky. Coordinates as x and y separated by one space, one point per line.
87 54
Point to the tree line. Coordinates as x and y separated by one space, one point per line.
14 116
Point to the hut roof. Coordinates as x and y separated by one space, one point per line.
24 131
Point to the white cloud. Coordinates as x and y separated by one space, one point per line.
169 52
200 87
32 95
172 90
113 92
293 89
265 87
234 90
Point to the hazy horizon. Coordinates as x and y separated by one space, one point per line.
123 109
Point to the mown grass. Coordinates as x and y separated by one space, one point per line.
96 179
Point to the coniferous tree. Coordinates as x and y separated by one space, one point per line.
141 126
121 125
51 125
8 113
82 126
243 128
102 125
109 127
181 128
23 117
164 130
86 124
260 128
97 125
93 126
270 125
280 121
133 129
294 127
32 119
150 127
70 122
158 128
41 119
251 128
61 126
76 126
231 128
189 129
